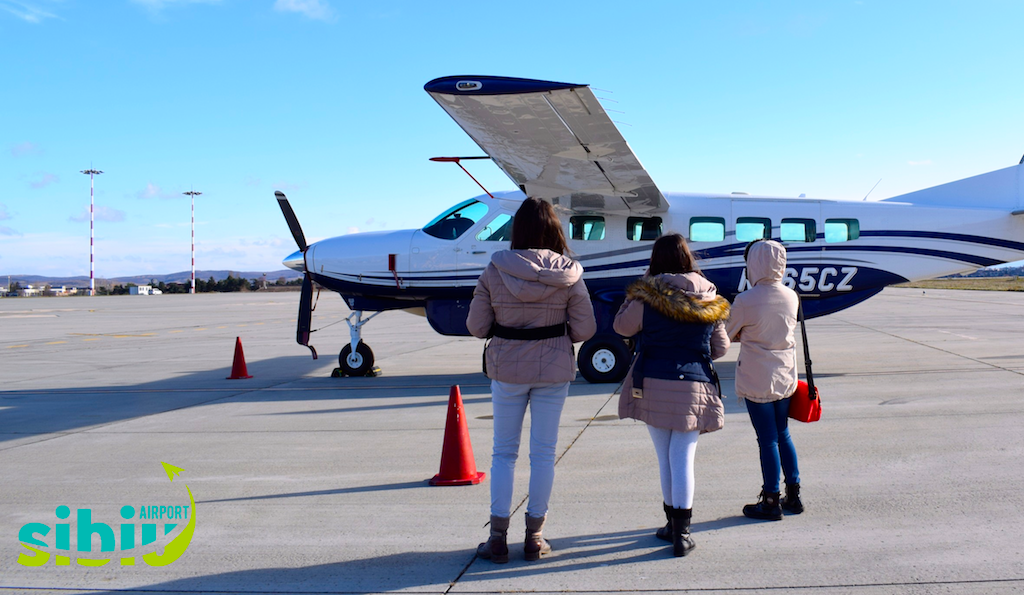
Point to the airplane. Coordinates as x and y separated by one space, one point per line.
556 142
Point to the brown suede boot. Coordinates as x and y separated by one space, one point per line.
495 548
535 545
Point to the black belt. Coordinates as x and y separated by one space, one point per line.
530 334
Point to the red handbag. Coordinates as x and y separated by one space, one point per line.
805 403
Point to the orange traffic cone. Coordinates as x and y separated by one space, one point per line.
458 467
238 370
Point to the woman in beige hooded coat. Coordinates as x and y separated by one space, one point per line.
532 300
763 320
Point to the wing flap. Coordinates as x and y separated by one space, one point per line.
554 140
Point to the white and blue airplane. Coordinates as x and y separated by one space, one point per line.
556 143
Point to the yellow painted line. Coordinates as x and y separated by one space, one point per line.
200 329
16 346
93 339
222 327
56 343
142 335
242 325
259 324
175 331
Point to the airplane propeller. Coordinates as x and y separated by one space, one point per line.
305 319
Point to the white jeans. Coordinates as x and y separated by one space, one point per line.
676 451
509 403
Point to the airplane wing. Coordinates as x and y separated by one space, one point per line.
553 139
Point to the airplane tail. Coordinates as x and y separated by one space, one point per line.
1002 189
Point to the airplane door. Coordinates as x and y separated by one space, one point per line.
797 224
431 260
475 249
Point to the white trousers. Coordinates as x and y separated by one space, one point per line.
676 451
509 402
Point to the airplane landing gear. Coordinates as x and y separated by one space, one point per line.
604 358
356 358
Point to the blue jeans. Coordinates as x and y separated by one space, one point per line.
509 402
771 423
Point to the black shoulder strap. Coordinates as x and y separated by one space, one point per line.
807 350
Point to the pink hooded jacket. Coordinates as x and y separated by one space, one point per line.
531 289
763 320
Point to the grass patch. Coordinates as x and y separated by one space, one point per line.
972 283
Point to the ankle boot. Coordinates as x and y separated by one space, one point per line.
535 545
495 548
767 508
680 521
791 503
666 531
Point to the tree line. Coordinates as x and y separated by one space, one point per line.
230 284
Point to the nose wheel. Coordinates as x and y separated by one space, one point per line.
358 362
356 358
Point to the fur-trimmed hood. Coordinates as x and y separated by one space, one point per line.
687 297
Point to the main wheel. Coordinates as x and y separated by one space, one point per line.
358 363
605 358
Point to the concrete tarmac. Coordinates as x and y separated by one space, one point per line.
913 479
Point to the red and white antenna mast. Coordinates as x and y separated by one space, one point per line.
92 226
193 194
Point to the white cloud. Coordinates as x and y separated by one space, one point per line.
153 191
158 5
30 12
923 162
353 230
25 149
3 212
45 181
287 186
102 214
7 231
318 10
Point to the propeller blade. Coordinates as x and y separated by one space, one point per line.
293 221
305 313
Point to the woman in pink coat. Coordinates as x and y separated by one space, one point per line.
532 300
678 318
763 320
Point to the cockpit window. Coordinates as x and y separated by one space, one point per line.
498 230
455 222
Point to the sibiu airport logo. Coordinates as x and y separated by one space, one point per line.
35 537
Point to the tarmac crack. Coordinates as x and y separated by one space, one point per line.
926 345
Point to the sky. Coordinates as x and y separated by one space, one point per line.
324 100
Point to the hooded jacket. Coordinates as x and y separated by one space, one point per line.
763 320
688 331
525 289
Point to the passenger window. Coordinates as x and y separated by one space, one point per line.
841 230
749 229
707 229
798 230
498 230
586 227
643 229
454 223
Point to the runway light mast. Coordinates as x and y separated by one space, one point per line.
193 194
92 236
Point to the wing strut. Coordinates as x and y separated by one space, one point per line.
456 161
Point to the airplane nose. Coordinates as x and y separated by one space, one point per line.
296 261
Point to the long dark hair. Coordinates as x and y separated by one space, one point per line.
536 226
671 255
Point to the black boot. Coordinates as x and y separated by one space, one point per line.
666 531
681 542
495 548
791 503
767 508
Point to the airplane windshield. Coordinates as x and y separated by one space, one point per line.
453 223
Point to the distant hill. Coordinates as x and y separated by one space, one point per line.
182 277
